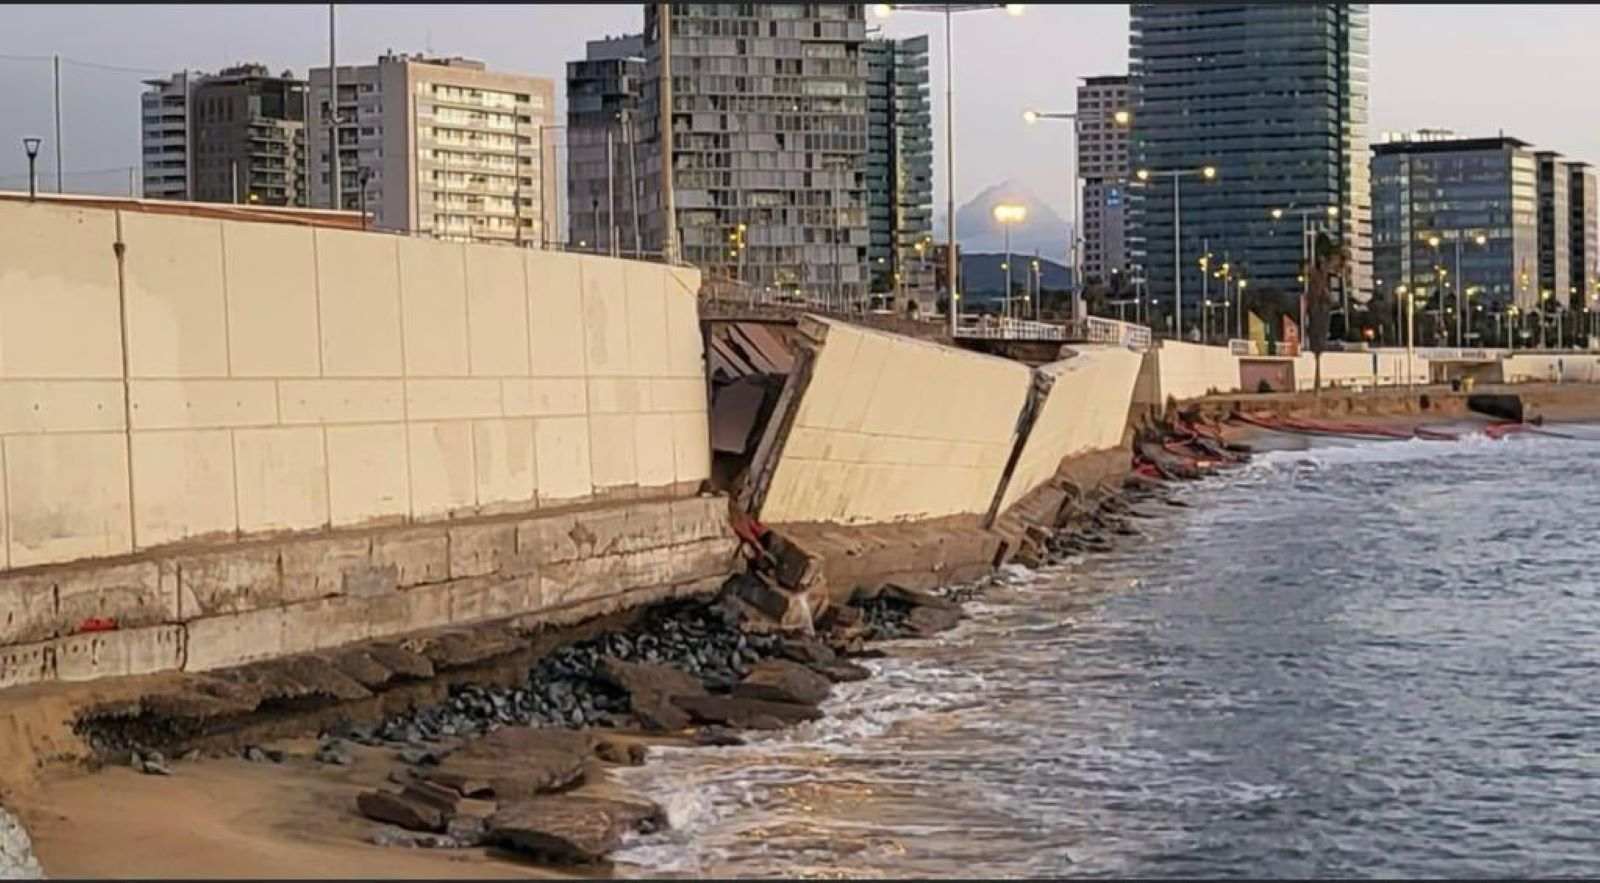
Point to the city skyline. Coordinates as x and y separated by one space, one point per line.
1418 79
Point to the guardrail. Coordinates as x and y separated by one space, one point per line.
992 328
1283 349
1095 329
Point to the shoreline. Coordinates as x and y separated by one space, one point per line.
229 816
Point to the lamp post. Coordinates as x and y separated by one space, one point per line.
1411 313
1007 215
883 10
1306 231
1121 118
31 144
1207 173
1461 283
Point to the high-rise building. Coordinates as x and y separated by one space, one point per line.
1429 195
603 92
899 171
1103 168
1273 96
1555 227
247 137
1584 236
768 143
164 134
441 146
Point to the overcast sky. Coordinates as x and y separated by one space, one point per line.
1529 70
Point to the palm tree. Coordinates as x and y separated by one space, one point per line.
1327 264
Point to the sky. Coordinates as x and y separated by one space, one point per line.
1524 69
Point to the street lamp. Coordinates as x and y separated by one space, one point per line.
31 145
1120 118
1007 215
1207 173
884 10
1306 232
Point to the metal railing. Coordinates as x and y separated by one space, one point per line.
1284 349
1095 329
1002 328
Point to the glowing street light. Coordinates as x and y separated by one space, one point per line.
1007 215
1121 118
1207 173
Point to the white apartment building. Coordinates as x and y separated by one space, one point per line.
164 134
1104 169
440 146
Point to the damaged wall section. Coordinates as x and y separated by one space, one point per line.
889 429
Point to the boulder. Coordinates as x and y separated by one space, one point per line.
917 598
806 652
779 680
515 762
402 809
569 828
651 688
637 677
743 713
621 753
717 737
926 621
839 671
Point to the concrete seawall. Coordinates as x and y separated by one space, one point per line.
893 459
223 441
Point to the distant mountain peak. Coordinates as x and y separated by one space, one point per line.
1043 230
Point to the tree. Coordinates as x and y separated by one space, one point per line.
1327 264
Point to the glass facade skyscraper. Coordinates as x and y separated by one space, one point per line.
899 172
1274 96
1457 190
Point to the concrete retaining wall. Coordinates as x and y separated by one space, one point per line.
1541 368
891 428
278 378
1185 371
1085 409
227 440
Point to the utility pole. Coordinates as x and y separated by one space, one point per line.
60 187
633 182
334 184
669 212
611 195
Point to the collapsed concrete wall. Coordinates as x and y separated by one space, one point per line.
1083 408
881 428
189 406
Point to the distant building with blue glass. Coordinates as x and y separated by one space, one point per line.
1274 97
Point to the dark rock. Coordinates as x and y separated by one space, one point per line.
806 652
257 754
840 671
151 763
405 810
569 828
634 677
516 762
464 783
334 751
926 621
467 830
780 680
446 800
745 713
401 776
717 737
658 712
916 598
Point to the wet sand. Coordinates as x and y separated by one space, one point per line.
233 818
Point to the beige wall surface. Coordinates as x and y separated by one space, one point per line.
1539 368
1085 409
895 429
1189 370
285 378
